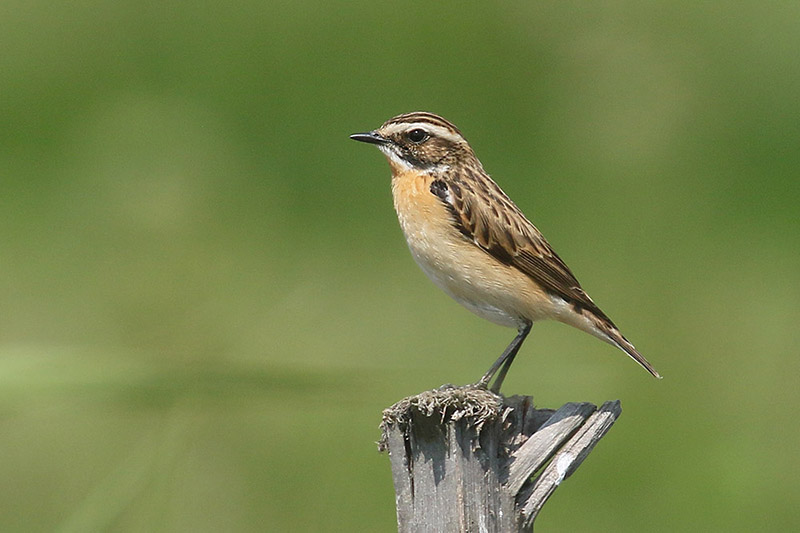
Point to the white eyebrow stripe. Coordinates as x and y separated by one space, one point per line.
433 129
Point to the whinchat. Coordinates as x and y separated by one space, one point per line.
475 244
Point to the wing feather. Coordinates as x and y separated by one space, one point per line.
491 220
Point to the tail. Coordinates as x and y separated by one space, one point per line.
614 337
597 323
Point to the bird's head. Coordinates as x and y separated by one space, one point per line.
419 141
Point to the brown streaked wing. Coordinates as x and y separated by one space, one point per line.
496 225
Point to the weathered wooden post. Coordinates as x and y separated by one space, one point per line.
466 459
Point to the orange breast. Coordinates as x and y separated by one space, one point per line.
421 213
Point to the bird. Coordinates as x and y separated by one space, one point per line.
473 242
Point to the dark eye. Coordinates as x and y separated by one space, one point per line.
417 136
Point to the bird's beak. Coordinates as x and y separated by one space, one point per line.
371 137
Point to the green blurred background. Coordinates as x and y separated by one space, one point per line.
206 300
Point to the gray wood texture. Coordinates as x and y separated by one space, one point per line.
465 459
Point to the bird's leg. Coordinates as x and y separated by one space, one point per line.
505 360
